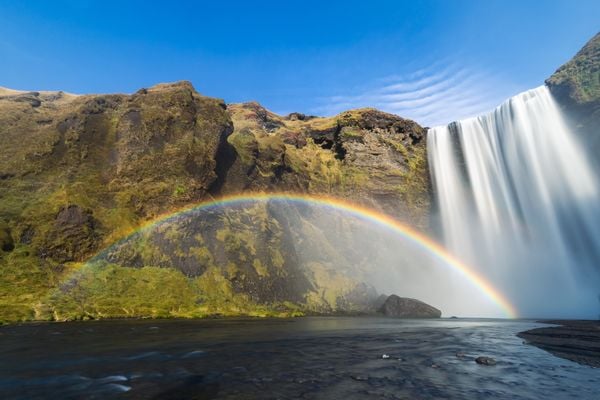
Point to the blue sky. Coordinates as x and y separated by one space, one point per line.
433 61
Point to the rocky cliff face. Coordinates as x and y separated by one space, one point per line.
576 86
366 155
79 172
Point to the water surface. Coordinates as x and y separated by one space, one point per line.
304 358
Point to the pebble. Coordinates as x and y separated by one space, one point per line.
485 361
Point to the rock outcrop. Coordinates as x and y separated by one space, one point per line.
576 86
366 155
403 307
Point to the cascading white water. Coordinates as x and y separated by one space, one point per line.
518 200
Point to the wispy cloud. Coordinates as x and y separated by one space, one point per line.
432 95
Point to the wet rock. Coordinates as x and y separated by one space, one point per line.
403 307
485 361
574 340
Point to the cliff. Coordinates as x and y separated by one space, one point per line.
77 173
576 86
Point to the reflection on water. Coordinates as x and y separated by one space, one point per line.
306 358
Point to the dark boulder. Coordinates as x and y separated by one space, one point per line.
485 361
403 307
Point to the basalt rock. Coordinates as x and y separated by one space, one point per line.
364 155
73 235
403 307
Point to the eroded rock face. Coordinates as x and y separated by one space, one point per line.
403 307
73 235
364 155
123 158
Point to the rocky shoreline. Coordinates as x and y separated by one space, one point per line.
574 340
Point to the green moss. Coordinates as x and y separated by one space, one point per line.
581 75
260 269
396 145
202 254
110 291
277 258
245 144
350 132
24 282
330 286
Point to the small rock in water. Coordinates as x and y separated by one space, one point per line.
385 356
460 354
434 366
485 361
359 377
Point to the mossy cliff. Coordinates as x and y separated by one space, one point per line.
366 155
77 173
576 86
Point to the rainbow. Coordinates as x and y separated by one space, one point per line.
415 237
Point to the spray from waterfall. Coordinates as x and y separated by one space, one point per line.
519 200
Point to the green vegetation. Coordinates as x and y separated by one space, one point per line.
78 173
110 291
579 79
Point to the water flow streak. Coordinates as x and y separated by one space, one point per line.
518 199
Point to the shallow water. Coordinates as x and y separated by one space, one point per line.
304 358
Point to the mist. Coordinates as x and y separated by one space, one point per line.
519 201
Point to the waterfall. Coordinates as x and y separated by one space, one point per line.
519 201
